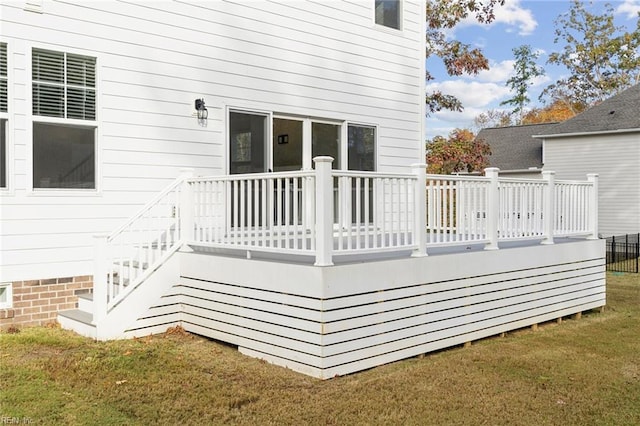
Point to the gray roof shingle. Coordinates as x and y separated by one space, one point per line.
513 148
619 112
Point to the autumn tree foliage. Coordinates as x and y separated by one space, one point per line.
601 58
459 152
458 58
559 110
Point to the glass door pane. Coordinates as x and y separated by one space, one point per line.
287 145
325 140
361 156
247 148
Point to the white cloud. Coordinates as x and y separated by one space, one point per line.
511 14
498 72
630 8
472 94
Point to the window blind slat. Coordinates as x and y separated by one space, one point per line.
3 77
64 85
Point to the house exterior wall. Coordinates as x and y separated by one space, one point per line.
616 159
325 60
37 302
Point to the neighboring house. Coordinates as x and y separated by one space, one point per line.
513 150
604 139
250 171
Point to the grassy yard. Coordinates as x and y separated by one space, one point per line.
583 371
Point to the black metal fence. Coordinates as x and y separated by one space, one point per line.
623 253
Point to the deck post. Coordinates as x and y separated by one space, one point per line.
593 205
548 206
324 211
493 208
420 206
186 209
100 271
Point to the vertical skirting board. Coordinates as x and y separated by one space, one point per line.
327 321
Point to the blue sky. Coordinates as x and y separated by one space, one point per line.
518 22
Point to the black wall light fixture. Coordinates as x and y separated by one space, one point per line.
201 109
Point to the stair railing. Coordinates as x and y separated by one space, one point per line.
127 256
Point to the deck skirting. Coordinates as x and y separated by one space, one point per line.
334 320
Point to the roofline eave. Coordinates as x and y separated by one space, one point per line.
603 132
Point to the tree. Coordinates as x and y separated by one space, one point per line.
525 70
557 111
460 152
492 118
458 58
602 59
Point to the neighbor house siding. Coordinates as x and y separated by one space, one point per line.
616 159
314 59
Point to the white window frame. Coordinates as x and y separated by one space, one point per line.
95 124
9 292
8 189
268 134
376 145
386 27
307 149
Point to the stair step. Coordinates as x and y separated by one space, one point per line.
134 264
85 302
78 321
78 315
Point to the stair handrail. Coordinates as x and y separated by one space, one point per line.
154 201
116 276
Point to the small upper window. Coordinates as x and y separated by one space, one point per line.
388 13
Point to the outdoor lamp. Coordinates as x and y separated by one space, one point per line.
201 109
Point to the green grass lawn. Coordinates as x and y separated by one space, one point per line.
582 371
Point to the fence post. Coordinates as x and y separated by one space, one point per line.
548 206
100 271
593 205
324 211
420 213
637 254
493 208
186 210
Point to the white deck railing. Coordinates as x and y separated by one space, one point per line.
128 255
325 213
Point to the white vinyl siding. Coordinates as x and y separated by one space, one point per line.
616 159
301 59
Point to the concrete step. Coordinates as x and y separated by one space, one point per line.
85 302
78 321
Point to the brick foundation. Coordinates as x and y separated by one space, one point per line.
37 302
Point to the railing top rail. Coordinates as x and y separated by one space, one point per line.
574 182
146 207
360 173
521 180
252 176
457 178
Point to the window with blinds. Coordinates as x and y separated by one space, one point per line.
3 77
64 85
